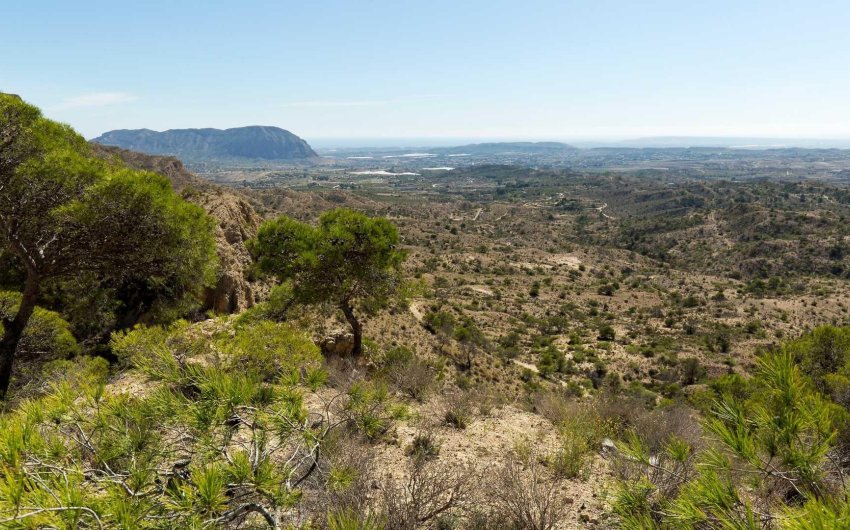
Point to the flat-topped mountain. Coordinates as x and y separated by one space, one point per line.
199 145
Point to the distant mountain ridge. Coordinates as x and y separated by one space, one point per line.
254 142
492 148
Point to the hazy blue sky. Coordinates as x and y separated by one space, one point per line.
466 68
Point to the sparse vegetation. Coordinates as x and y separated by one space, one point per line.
682 339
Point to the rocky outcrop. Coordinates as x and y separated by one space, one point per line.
336 343
236 223
205 145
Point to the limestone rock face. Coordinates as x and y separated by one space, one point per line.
337 343
237 222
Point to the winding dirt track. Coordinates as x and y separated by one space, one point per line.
600 208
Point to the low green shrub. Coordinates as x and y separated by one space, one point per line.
46 337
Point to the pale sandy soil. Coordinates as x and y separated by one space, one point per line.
485 444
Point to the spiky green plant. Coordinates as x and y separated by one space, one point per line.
769 466
203 445
350 520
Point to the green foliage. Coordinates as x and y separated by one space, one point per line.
607 333
786 421
348 255
155 350
691 371
818 516
551 361
467 332
409 289
370 410
771 450
773 286
264 351
424 445
278 307
80 372
125 226
349 260
408 373
350 520
46 337
824 355
67 217
580 435
440 322
272 351
207 445
608 289
457 417
166 242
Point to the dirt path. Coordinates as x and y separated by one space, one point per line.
527 366
566 259
600 208
480 290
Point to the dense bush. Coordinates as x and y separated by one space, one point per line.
606 333
824 355
46 337
551 361
272 351
523 496
407 373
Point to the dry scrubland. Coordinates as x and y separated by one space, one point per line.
560 338
613 303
